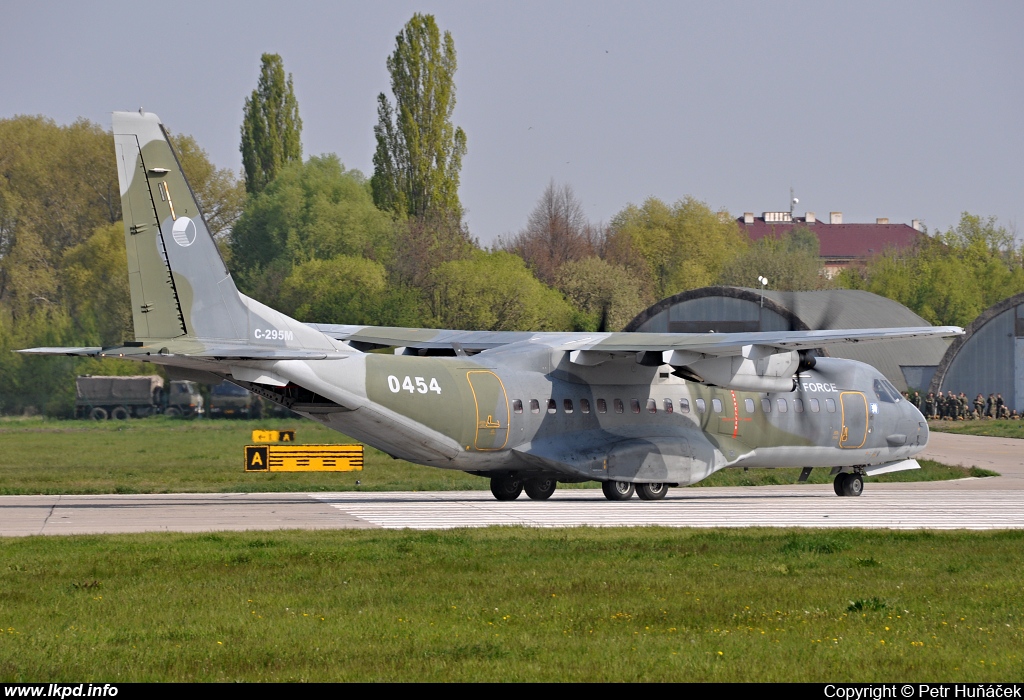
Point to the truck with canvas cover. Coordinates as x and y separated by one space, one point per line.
100 398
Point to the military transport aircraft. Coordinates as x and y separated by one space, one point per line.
635 411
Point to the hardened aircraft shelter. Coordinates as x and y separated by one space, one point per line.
906 363
989 357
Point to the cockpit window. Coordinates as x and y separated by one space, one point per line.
884 393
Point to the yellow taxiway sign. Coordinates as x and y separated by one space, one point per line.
303 458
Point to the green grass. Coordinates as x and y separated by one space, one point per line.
511 604
164 455
989 428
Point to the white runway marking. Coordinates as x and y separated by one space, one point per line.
799 506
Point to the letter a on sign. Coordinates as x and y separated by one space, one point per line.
256 458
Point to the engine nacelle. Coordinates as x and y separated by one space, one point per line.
757 368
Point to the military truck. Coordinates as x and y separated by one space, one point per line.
229 400
100 398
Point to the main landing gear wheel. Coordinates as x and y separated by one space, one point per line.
651 492
540 489
617 490
848 485
506 488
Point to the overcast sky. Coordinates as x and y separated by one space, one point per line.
898 109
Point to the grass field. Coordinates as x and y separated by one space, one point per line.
989 428
163 455
510 604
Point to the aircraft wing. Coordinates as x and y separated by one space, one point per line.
724 344
712 344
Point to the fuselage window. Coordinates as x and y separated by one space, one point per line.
748 404
534 406
798 405
585 405
602 406
684 405
815 405
783 405
716 404
634 405
668 405
551 406
893 391
652 406
517 405
567 405
701 406
830 405
766 405
618 406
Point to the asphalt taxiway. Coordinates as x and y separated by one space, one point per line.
988 503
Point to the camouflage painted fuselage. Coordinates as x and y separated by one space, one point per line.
531 411
570 406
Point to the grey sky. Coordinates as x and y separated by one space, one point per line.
906 110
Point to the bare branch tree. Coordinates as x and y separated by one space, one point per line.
557 232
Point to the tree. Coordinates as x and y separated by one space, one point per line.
673 248
950 278
271 126
349 289
791 263
419 151
312 211
95 285
556 232
496 292
605 294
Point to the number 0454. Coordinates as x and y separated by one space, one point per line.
413 385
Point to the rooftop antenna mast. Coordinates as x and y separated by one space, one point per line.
793 201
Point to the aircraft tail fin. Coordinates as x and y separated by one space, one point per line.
180 286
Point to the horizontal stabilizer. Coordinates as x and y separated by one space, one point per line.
236 352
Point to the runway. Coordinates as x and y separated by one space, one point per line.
977 504
894 506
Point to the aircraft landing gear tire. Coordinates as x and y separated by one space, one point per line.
617 490
506 488
651 492
848 485
98 413
540 489
853 485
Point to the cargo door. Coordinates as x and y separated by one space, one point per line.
855 419
492 412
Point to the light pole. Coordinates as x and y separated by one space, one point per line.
760 314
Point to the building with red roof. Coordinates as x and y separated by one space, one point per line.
841 244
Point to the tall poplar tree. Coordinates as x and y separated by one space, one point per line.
419 150
271 126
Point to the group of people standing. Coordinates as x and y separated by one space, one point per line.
953 406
